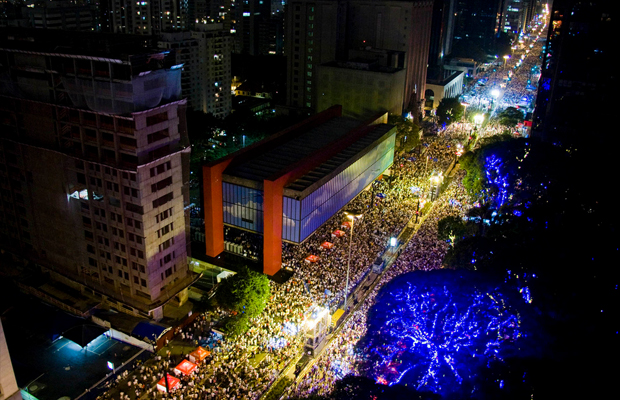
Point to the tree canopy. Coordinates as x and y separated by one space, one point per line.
246 292
510 116
450 110
407 133
546 221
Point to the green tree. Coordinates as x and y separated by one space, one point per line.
407 133
473 180
246 292
510 117
450 110
506 135
454 229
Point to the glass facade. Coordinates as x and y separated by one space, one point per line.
324 202
243 207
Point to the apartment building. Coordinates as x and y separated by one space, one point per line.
206 57
94 165
150 17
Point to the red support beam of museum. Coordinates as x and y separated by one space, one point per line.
214 207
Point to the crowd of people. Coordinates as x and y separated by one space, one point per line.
228 373
243 368
423 252
512 83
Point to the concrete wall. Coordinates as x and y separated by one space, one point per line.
360 92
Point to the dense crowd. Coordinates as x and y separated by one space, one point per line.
423 252
514 81
245 367
229 373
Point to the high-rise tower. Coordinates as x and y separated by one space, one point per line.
94 165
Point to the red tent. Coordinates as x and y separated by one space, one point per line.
198 355
312 258
346 224
338 233
185 367
327 245
172 383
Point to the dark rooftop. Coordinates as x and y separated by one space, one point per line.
283 156
91 44
280 157
317 174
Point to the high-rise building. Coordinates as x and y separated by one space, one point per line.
575 91
254 26
94 165
210 11
148 17
58 14
311 39
515 15
478 21
61 15
206 57
319 32
442 32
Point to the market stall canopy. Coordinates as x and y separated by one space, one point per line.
186 367
312 258
327 245
338 233
173 383
84 334
198 355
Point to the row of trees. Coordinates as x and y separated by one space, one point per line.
557 225
451 110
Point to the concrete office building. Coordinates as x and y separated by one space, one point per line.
319 32
94 166
286 186
362 86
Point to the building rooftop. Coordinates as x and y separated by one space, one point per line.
86 44
362 64
328 168
284 156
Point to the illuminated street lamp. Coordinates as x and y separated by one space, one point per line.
495 95
435 181
478 118
353 216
